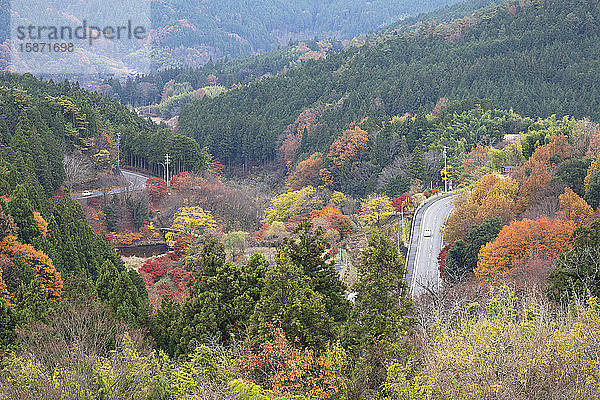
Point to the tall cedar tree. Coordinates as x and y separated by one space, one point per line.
21 210
309 252
106 280
125 302
220 304
382 315
288 302
383 308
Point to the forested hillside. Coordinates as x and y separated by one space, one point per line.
269 264
46 245
189 34
234 29
92 121
144 90
531 56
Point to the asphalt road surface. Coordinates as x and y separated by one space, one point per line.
136 180
423 252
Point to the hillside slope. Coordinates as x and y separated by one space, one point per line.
532 56
234 28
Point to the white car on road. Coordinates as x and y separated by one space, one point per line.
427 233
87 193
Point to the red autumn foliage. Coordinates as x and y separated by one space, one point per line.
403 201
182 243
155 268
182 181
259 235
334 251
181 278
442 258
156 188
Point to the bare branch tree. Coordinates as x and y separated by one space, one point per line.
78 169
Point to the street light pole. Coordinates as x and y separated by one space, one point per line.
445 169
403 237
118 152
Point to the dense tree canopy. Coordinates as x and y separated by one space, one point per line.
410 71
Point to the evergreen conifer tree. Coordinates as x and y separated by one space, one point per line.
288 302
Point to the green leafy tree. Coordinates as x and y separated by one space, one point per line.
463 254
571 173
456 265
478 236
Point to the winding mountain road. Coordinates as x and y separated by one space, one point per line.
422 256
137 182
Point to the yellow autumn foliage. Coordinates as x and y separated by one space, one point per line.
287 204
190 221
509 349
375 209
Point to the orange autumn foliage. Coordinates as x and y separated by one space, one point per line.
335 219
289 371
520 241
307 172
537 172
574 207
492 197
325 212
41 223
39 262
348 147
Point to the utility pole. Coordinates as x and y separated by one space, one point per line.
398 239
403 237
118 152
398 229
445 169
167 161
